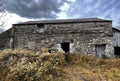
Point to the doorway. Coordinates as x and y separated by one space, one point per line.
65 47
117 51
100 50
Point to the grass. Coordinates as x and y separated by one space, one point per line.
29 65
102 68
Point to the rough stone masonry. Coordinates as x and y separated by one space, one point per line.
90 36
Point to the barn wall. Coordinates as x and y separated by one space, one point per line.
6 39
116 37
116 40
82 37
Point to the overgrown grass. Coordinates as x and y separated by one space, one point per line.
29 65
107 68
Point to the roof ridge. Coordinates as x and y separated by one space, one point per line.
65 21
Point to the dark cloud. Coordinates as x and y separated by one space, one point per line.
2 6
35 8
108 9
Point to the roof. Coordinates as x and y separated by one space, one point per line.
64 21
116 29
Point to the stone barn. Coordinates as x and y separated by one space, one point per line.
90 36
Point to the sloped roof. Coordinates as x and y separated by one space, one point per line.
64 21
116 29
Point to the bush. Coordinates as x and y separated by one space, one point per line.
24 65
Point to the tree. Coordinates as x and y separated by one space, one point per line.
2 14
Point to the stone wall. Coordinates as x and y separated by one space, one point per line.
6 39
82 37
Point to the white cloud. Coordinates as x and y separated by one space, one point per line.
13 19
65 7
62 15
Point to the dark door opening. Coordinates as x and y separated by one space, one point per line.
65 47
117 51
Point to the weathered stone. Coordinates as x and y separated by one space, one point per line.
80 36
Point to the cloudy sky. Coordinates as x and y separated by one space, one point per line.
25 10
